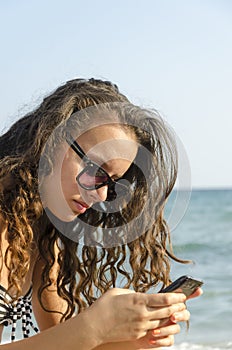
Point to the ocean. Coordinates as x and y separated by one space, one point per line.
204 235
201 229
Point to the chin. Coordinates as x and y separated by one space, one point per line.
63 215
69 218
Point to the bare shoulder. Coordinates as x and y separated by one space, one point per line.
50 298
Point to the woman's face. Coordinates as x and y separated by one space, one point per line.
110 146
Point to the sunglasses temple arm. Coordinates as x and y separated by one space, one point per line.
77 149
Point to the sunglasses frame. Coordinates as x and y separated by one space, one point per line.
110 182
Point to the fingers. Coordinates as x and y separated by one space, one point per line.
167 341
165 312
159 337
180 316
196 294
163 299
155 343
164 336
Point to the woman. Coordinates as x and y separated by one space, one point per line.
83 183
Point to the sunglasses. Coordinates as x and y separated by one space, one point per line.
94 176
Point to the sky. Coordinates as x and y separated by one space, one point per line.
171 55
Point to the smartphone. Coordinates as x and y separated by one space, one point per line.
184 284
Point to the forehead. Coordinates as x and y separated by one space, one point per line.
108 142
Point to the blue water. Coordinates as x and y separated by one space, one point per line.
204 234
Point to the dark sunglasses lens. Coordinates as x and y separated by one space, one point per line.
92 176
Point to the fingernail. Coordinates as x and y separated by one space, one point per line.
174 318
156 331
152 342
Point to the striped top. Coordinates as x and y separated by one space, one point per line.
13 310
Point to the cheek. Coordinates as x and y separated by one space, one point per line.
69 172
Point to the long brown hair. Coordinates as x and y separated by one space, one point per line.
87 270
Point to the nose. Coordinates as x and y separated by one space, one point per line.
98 195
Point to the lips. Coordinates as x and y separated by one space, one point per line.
80 206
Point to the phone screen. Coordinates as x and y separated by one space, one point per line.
183 284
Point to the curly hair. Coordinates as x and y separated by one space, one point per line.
87 270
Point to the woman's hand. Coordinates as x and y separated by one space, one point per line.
164 336
122 315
